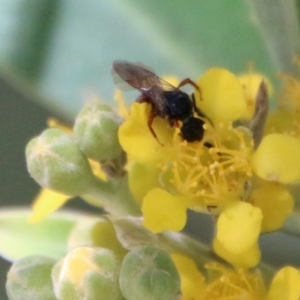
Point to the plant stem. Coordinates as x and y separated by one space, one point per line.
114 196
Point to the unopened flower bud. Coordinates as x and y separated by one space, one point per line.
149 273
96 131
30 278
55 162
95 232
87 273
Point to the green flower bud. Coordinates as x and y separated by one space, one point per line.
95 232
55 162
30 279
87 273
96 131
149 273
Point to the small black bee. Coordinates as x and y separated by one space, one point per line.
167 101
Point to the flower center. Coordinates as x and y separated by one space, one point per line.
213 171
235 284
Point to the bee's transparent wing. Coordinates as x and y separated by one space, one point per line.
120 83
128 75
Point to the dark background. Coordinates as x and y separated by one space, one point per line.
20 119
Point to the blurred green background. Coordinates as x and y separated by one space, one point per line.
54 54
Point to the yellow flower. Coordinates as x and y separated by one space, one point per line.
222 282
207 177
234 284
223 174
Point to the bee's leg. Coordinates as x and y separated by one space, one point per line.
191 82
198 111
173 123
151 117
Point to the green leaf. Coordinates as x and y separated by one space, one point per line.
19 238
63 49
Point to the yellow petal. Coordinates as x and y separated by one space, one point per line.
163 211
54 123
283 121
191 280
223 97
248 259
275 202
45 203
142 178
136 138
96 168
277 158
229 284
285 285
238 227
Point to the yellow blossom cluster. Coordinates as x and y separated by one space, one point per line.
239 173
230 173
226 283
